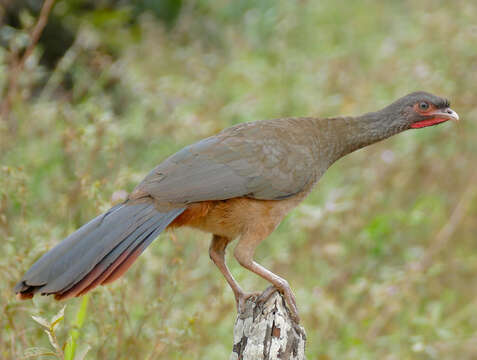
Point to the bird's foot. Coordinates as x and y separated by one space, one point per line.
265 295
242 297
285 289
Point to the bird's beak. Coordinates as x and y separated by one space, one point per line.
436 117
446 113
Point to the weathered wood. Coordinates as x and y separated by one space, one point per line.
265 331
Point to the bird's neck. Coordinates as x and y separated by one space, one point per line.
348 134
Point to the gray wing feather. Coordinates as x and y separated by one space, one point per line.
262 160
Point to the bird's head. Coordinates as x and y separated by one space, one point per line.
413 111
421 109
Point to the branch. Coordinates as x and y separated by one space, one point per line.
19 64
265 331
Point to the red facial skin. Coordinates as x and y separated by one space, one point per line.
431 121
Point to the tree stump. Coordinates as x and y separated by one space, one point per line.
265 331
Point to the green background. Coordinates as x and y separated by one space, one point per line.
382 256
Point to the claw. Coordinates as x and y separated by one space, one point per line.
290 301
241 298
265 295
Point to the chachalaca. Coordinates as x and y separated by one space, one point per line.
239 183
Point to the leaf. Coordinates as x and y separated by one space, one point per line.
53 342
81 314
41 321
51 338
74 333
70 347
36 352
58 317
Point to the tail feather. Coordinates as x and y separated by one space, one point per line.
118 267
139 247
99 252
69 267
124 237
109 265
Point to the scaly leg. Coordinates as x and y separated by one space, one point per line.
217 254
244 252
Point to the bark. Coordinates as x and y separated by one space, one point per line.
265 331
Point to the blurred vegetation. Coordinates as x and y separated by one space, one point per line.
382 256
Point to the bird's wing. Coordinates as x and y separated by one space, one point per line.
261 160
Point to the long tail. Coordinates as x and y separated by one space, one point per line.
97 253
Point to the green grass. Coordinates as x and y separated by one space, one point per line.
382 256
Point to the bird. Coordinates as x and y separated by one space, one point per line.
237 184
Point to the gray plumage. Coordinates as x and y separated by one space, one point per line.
102 240
267 160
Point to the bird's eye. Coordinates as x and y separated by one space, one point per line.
423 106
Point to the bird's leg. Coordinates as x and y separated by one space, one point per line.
217 254
244 252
